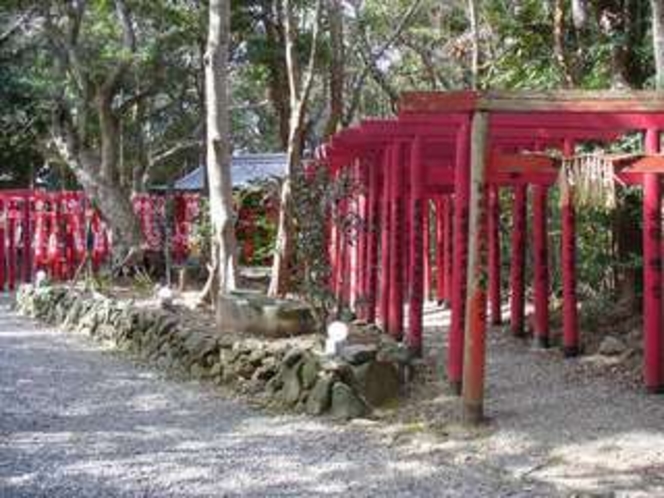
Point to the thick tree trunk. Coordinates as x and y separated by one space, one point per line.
113 201
218 146
96 165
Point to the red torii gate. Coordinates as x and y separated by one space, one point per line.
459 149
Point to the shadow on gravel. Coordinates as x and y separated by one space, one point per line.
554 423
75 422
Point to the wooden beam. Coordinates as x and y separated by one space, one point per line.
522 163
573 101
643 164
475 327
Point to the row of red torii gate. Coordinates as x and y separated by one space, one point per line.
56 231
459 150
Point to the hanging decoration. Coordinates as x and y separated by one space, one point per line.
592 179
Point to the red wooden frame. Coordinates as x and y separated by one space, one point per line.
424 154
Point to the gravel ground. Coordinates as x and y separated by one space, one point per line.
78 421
555 421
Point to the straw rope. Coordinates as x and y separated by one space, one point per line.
591 178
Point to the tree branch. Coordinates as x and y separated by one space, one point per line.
18 24
311 64
404 19
174 150
107 89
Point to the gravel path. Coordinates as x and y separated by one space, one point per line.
77 421
554 422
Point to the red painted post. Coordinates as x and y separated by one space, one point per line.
462 188
363 243
97 229
386 237
372 243
395 304
426 248
494 255
568 262
334 247
416 266
3 221
40 242
441 296
11 248
344 257
354 240
518 266
652 273
448 247
26 265
541 266
406 216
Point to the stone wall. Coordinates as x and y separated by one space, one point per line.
295 375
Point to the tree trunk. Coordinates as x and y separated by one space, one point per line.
277 71
96 164
658 40
337 66
614 22
218 146
285 245
300 88
475 52
559 44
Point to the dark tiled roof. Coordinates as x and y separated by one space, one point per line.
244 169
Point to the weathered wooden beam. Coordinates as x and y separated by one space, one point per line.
571 101
511 179
522 163
475 327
